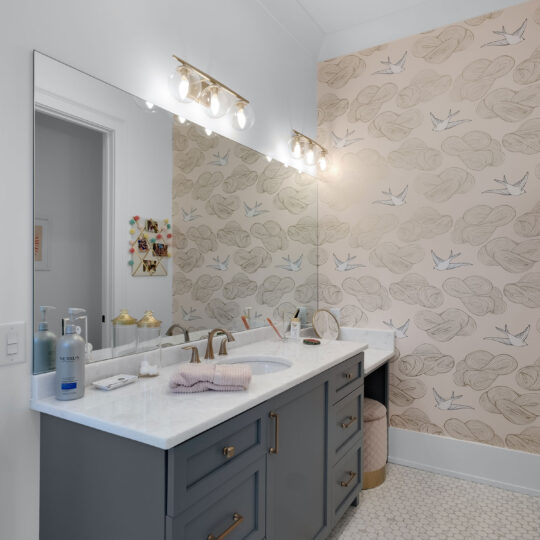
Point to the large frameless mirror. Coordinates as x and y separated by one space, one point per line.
157 229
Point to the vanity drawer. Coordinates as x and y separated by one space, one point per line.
347 377
347 481
346 424
236 510
197 466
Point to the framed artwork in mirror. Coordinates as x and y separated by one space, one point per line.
41 244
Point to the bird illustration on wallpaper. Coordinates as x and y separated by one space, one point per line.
399 331
508 38
190 216
394 200
255 210
448 404
514 340
218 264
291 266
392 69
346 265
346 140
447 264
190 315
221 160
518 188
447 123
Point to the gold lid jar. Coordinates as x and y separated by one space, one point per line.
148 321
124 319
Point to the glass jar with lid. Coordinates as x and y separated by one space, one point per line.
149 343
148 332
124 334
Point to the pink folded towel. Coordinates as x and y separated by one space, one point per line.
202 377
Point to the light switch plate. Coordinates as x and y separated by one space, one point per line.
12 343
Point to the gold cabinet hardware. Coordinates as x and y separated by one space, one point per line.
194 354
237 519
348 376
228 452
275 448
352 475
351 421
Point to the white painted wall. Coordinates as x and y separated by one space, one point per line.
127 43
68 194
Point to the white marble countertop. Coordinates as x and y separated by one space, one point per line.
148 412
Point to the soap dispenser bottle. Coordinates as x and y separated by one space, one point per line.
44 344
70 359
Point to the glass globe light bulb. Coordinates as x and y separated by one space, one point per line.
323 161
215 100
184 84
215 104
242 116
310 154
296 146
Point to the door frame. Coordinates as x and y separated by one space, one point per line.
55 105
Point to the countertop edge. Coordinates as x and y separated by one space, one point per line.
42 406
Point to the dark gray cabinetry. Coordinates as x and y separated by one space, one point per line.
98 486
235 509
297 495
285 470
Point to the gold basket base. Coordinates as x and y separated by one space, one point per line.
373 479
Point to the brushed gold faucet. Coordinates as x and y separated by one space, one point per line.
209 355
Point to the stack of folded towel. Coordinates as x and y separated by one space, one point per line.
202 377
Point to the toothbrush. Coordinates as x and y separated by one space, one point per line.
245 321
274 327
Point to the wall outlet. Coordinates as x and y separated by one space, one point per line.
12 343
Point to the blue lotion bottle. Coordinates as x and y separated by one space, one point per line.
70 361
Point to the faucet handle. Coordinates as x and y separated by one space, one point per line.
194 354
223 346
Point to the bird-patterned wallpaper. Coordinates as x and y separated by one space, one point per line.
435 189
245 234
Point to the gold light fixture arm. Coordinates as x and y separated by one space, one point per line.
299 134
210 79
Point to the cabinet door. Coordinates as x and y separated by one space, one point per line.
235 510
297 500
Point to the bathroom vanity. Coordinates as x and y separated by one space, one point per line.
285 468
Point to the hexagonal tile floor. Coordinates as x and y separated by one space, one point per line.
417 505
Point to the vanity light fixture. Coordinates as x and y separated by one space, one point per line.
304 147
188 83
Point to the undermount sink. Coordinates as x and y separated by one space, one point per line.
260 365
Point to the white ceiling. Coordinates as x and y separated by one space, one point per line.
335 15
330 28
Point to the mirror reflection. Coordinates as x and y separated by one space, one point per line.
158 229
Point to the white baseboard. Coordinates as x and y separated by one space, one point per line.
500 467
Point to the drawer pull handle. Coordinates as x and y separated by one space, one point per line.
275 448
348 376
352 420
352 475
237 519
228 452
